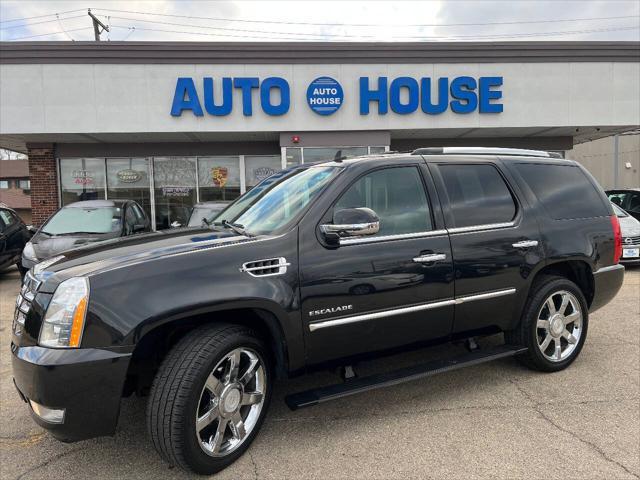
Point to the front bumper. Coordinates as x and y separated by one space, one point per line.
86 383
606 284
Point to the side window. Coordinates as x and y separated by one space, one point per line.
477 194
633 204
129 220
139 213
397 196
7 218
564 190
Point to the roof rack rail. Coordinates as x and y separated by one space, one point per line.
515 152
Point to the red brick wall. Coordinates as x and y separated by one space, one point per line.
44 182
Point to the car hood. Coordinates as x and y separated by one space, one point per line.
629 226
47 247
147 246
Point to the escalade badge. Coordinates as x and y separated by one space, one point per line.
324 311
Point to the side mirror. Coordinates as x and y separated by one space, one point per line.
351 222
32 229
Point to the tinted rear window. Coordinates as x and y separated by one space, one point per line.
477 194
564 190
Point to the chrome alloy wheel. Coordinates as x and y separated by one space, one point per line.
559 326
230 402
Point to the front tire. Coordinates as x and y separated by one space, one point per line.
553 326
210 398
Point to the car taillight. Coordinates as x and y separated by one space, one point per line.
617 238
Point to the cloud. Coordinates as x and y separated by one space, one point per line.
383 20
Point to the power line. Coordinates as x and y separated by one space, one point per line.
241 29
425 38
332 35
38 23
211 34
42 16
262 21
62 28
52 33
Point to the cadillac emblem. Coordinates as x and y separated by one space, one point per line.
219 176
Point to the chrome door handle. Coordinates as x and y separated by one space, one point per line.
434 257
526 244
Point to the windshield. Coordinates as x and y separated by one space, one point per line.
207 213
629 200
84 220
277 202
618 211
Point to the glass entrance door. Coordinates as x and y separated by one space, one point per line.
174 190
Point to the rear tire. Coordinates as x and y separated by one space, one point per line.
209 398
553 326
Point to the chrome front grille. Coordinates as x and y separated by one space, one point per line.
631 240
23 302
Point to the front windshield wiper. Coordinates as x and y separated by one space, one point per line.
236 227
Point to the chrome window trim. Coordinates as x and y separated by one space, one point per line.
478 228
413 308
389 238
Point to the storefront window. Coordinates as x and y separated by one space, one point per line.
257 168
219 178
293 156
82 179
314 155
175 190
377 150
128 178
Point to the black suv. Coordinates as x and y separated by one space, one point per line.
318 265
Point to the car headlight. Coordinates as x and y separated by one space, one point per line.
64 321
29 252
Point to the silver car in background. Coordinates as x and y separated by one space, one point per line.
630 236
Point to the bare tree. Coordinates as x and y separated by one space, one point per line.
11 155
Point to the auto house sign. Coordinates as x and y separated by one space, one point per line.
129 176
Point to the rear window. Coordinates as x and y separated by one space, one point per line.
477 194
564 190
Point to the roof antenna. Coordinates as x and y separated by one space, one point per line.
338 157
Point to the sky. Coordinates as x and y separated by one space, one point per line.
436 20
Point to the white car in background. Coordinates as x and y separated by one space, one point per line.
630 236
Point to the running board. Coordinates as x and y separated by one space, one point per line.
381 380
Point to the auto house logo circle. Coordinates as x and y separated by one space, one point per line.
325 95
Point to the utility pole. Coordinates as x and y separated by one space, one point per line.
96 26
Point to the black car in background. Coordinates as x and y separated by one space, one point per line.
13 237
627 199
81 223
203 213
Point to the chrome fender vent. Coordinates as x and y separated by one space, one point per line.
266 268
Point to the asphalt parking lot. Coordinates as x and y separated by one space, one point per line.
496 420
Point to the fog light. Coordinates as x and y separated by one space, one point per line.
47 414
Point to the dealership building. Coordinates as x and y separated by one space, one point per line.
170 124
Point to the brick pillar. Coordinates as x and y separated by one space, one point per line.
44 181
